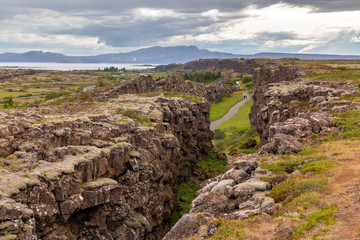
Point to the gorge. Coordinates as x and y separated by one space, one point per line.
109 167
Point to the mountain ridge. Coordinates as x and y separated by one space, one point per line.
158 55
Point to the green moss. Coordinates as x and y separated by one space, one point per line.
134 115
193 98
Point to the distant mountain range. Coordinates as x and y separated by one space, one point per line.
155 55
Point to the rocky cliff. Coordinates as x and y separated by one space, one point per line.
105 168
289 108
212 92
238 194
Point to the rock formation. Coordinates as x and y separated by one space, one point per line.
288 108
89 172
213 92
237 194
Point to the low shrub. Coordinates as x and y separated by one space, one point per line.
294 187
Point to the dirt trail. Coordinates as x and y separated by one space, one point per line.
345 193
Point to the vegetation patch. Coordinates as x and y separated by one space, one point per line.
206 77
304 201
131 113
53 95
193 98
228 229
322 216
282 167
349 123
294 187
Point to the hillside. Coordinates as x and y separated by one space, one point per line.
156 55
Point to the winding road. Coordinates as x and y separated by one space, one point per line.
233 110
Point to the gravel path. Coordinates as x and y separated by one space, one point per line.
230 114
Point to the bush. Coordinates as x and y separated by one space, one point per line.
9 103
219 134
100 83
247 79
53 95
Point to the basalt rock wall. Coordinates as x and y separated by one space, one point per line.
97 174
212 92
288 108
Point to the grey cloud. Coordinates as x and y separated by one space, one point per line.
189 6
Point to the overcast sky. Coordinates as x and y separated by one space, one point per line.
88 27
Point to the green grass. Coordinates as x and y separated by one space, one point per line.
322 216
134 115
228 229
218 110
6 94
349 123
304 201
232 128
337 73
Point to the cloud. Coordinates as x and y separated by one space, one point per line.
355 39
94 27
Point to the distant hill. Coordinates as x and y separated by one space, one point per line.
155 55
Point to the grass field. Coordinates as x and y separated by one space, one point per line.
237 130
219 110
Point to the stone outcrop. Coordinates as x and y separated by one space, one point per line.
213 92
288 109
237 65
237 194
95 173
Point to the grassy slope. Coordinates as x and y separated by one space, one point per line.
219 110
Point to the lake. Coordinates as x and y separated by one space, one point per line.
69 66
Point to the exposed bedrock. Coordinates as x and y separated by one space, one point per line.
288 108
97 174
212 92
237 194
